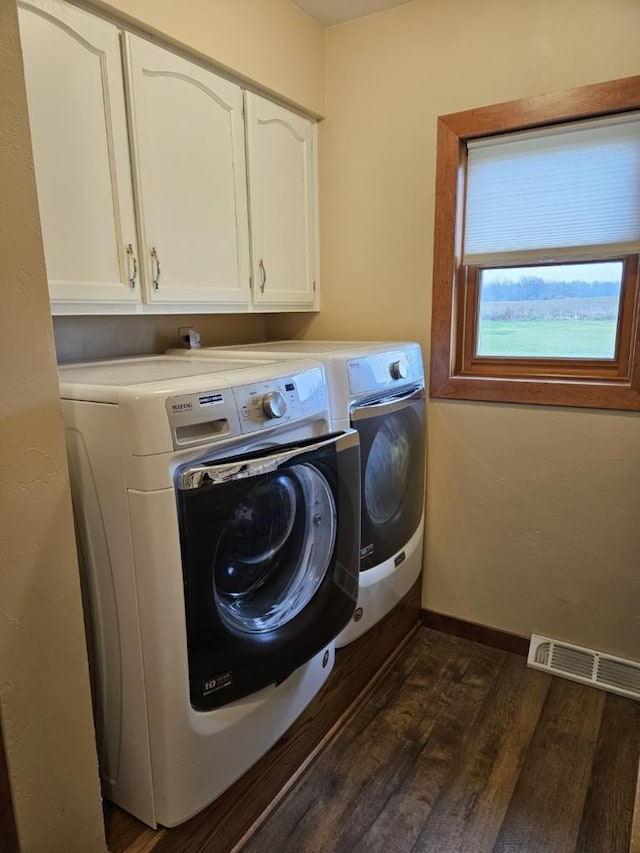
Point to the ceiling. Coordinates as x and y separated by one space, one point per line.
330 12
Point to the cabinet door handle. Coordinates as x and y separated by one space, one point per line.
155 260
264 275
134 276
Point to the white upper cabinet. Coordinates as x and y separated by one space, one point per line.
79 135
163 188
281 155
187 134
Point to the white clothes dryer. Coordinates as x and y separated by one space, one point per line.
215 513
377 388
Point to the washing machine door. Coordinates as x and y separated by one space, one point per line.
270 562
392 447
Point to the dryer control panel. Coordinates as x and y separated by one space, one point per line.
384 370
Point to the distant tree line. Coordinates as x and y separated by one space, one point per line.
530 288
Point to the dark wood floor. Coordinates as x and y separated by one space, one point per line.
461 747
458 747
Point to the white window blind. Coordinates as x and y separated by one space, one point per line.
567 192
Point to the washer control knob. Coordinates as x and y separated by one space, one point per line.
398 369
274 404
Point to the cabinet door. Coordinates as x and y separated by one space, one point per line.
77 114
188 138
282 201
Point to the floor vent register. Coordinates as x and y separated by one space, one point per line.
586 666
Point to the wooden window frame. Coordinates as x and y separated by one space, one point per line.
456 373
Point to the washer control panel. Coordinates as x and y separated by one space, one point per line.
274 404
202 417
288 398
224 413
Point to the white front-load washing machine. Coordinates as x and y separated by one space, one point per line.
377 388
216 512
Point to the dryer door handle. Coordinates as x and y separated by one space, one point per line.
387 405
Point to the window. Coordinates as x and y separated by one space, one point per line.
535 292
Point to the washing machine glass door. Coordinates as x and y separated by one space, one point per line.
275 547
270 561
392 444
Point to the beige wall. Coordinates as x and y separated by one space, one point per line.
86 338
532 512
44 689
271 43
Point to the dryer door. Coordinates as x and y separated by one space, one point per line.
392 444
270 564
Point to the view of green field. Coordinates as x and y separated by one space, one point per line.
556 311
558 338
